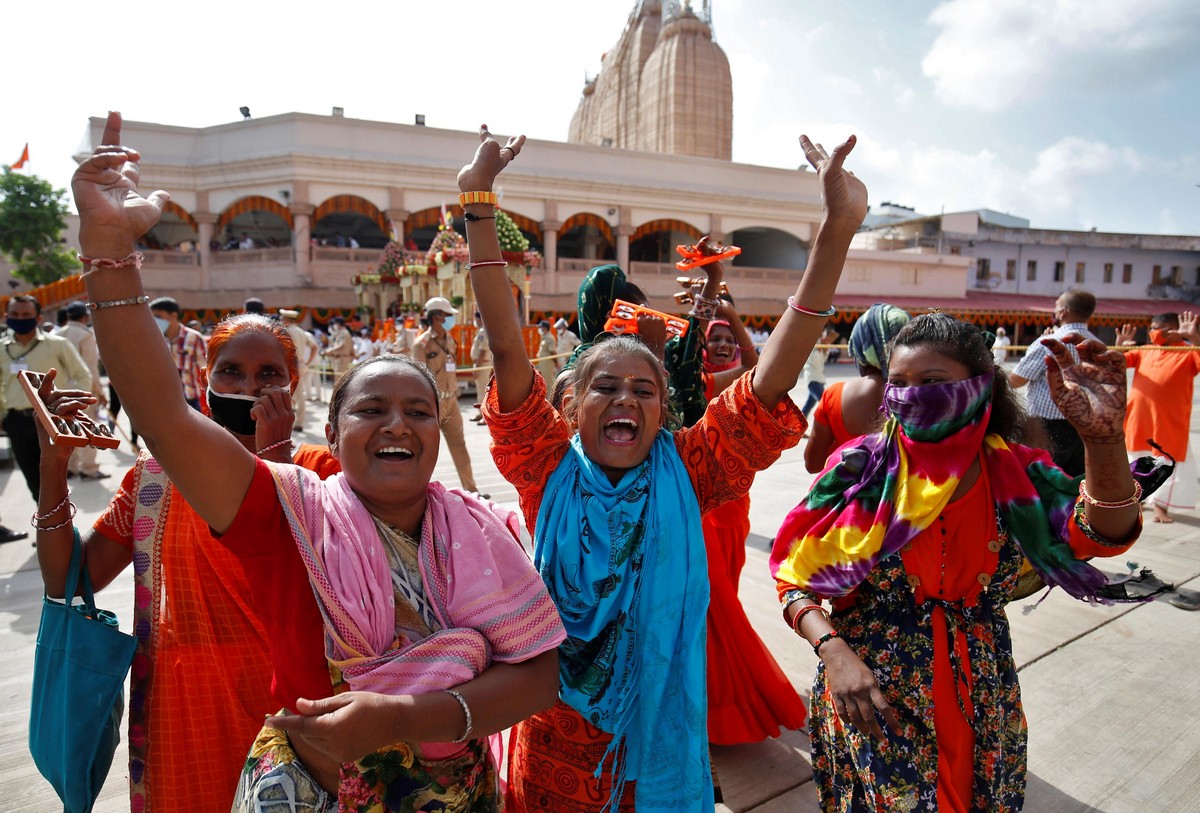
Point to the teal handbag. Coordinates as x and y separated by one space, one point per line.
79 671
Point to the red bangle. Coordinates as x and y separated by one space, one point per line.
805 609
824 639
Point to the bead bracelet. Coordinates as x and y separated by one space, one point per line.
1126 503
462 701
830 311
824 639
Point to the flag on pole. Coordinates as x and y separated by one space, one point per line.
447 219
24 157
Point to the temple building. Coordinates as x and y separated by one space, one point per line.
665 87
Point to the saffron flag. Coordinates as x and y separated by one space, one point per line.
24 157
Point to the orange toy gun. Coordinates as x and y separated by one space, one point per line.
78 430
624 315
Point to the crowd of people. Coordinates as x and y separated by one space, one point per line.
390 629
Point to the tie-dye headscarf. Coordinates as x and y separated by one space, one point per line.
893 485
871 333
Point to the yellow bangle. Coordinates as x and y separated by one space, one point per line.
466 198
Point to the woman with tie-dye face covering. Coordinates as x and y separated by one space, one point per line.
916 535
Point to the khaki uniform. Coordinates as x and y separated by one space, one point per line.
437 352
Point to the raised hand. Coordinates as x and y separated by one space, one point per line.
1125 336
1090 392
490 159
845 195
112 215
1188 328
653 331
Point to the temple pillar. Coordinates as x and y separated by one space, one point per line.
204 235
302 240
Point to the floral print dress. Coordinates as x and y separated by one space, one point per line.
930 622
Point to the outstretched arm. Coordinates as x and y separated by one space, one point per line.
845 196
514 372
112 216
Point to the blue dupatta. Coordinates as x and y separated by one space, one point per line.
626 566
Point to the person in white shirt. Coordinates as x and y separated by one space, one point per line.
567 342
1000 346
307 351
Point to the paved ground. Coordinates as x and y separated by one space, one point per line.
1110 693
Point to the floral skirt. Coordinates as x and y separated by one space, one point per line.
393 780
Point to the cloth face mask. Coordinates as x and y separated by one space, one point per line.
232 411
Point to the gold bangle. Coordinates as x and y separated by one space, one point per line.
1126 503
467 198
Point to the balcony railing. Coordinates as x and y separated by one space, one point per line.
253 256
355 256
172 258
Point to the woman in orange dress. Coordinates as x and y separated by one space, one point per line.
202 673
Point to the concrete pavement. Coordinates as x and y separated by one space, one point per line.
1110 692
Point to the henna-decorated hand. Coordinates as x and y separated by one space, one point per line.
845 195
112 215
490 159
1089 392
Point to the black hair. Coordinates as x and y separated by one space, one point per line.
1166 319
76 310
33 300
254 304
966 344
165 304
623 345
338 399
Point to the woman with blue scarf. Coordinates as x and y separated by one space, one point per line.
614 503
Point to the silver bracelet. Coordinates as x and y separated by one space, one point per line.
113 303
462 701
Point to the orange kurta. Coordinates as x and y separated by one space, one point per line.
1160 398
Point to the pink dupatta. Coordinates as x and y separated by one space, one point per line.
478 580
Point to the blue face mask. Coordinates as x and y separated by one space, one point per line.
162 323
449 323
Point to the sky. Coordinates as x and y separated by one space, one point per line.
1075 114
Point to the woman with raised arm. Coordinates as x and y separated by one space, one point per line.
202 663
916 535
417 600
614 503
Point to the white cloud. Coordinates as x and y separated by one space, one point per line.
989 54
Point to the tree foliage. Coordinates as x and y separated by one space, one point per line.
32 217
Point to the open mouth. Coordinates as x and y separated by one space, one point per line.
621 431
394 453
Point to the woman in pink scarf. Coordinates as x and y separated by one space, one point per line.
417 600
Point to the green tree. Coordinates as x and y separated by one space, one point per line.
32 217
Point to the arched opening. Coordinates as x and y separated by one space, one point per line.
175 230
348 220
764 247
254 222
585 236
655 242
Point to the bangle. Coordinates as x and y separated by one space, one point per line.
39 517
824 639
807 609
791 301
748 348
483 263
467 198
462 701
70 518
96 263
704 308
274 445
471 218
1126 503
114 303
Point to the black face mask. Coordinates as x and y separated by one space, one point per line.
232 411
22 327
